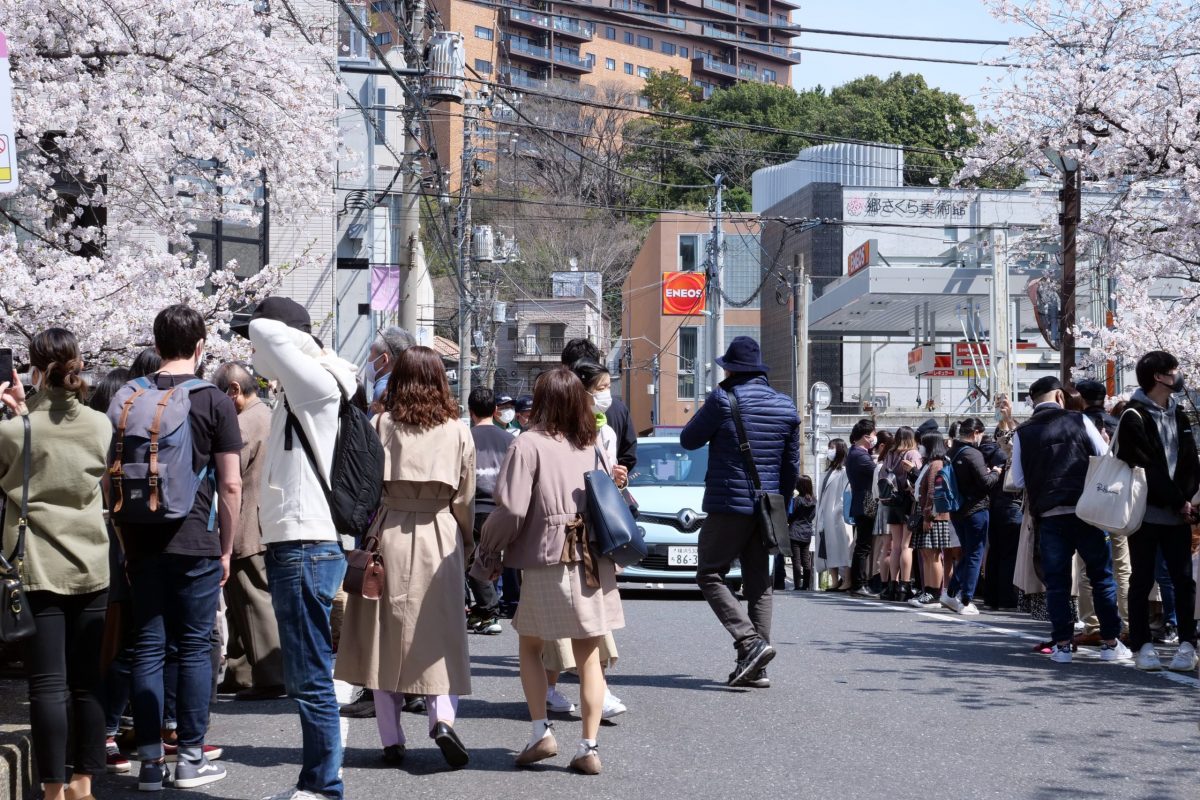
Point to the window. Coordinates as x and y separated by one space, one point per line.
683 52
483 33
628 37
689 252
689 354
668 48
628 68
483 67
645 42
380 116
768 75
380 6
644 72
643 102
743 270
610 32
610 63
383 37
550 336
223 240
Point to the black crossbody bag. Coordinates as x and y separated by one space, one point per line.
16 617
770 509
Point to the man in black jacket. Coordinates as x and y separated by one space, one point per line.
860 472
1094 393
1159 438
1051 452
975 483
618 412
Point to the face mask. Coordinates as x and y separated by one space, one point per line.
874 440
36 379
921 451
507 416
1177 386
831 454
602 400
370 371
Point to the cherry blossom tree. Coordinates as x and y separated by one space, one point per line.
1114 85
136 119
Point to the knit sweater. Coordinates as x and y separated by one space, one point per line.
66 545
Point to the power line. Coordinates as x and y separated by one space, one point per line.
903 37
897 57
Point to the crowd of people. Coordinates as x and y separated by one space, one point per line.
991 516
185 536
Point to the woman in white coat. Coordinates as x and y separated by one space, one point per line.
835 535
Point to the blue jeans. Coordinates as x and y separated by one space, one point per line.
1166 587
304 577
972 532
175 596
1060 538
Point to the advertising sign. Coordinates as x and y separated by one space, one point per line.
863 256
8 134
683 293
943 367
920 360
971 355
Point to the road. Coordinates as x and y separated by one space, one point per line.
869 700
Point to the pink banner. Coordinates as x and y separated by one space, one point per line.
385 288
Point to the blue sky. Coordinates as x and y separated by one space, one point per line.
964 19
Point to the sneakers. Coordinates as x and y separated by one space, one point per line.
116 763
865 591
1115 652
1168 635
1061 654
759 680
189 775
1147 658
613 707
758 656
483 621
558 702
952 603
152 775
968 610
1185 658
211 751
489 627
924 600
296 794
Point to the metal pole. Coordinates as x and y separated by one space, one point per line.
1070 221
1000 355
462 242
716 334
657 389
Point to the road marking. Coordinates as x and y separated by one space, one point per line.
1182 678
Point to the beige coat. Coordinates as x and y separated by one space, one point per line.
255 424
414 638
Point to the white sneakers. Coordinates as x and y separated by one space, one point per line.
969 610
1147 658
1118 652
296 794
613 707
952 603
558 702
1185 658
1061 654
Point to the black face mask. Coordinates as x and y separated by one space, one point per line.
1178 384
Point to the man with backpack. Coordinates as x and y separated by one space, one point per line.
175 490
305 560
1051 452
968 488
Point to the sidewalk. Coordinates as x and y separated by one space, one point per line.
16 758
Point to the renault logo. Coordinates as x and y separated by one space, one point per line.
687 519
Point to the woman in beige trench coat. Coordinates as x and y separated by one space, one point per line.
414 639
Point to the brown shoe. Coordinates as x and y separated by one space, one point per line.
588 764
546 747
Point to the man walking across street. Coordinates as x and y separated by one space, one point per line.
491 445
1051 452
1155 434
860 471
255 662
305 561
177 567
729 533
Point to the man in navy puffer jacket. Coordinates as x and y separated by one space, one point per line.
773 428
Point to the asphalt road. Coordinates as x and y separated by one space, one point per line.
869 700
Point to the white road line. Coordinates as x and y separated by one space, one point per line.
1182 678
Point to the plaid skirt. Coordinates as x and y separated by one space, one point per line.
557 603
936 538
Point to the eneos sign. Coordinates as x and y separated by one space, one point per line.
682 293
863 256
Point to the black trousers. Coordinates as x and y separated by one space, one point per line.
802 565
1176 544
62 661
483 592
724 538
864 542
1003 539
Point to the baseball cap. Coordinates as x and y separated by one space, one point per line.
280 309
503 400
524 403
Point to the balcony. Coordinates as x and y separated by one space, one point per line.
774 50
536 348
756 16
573 28
520 47
635 7
523 81
532 19
721 6
570 59
714 67
716 33
748 73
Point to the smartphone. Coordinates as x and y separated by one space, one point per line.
6 365
1000 398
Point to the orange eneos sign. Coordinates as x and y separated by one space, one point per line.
682 293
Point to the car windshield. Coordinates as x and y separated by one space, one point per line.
668 464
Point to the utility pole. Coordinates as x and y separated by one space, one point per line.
716 262
463 250
800 299
1071 196
1000 355
657 388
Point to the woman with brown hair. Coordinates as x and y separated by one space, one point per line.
567 591
414 639
65 568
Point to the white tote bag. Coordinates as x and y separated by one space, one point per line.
1114 494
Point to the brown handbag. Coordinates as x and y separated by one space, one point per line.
364 570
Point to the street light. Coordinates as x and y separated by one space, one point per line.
1068 218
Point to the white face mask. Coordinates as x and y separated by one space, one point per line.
507 416
601 401
921 450
370 371
831 454
36 379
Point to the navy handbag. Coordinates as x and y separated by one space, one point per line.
611 526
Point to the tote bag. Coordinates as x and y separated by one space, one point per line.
1114 494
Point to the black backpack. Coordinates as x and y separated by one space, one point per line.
356 478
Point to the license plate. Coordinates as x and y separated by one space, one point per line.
682 556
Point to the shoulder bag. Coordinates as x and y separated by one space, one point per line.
1114 493
16 617
770 509
365 574
610 523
